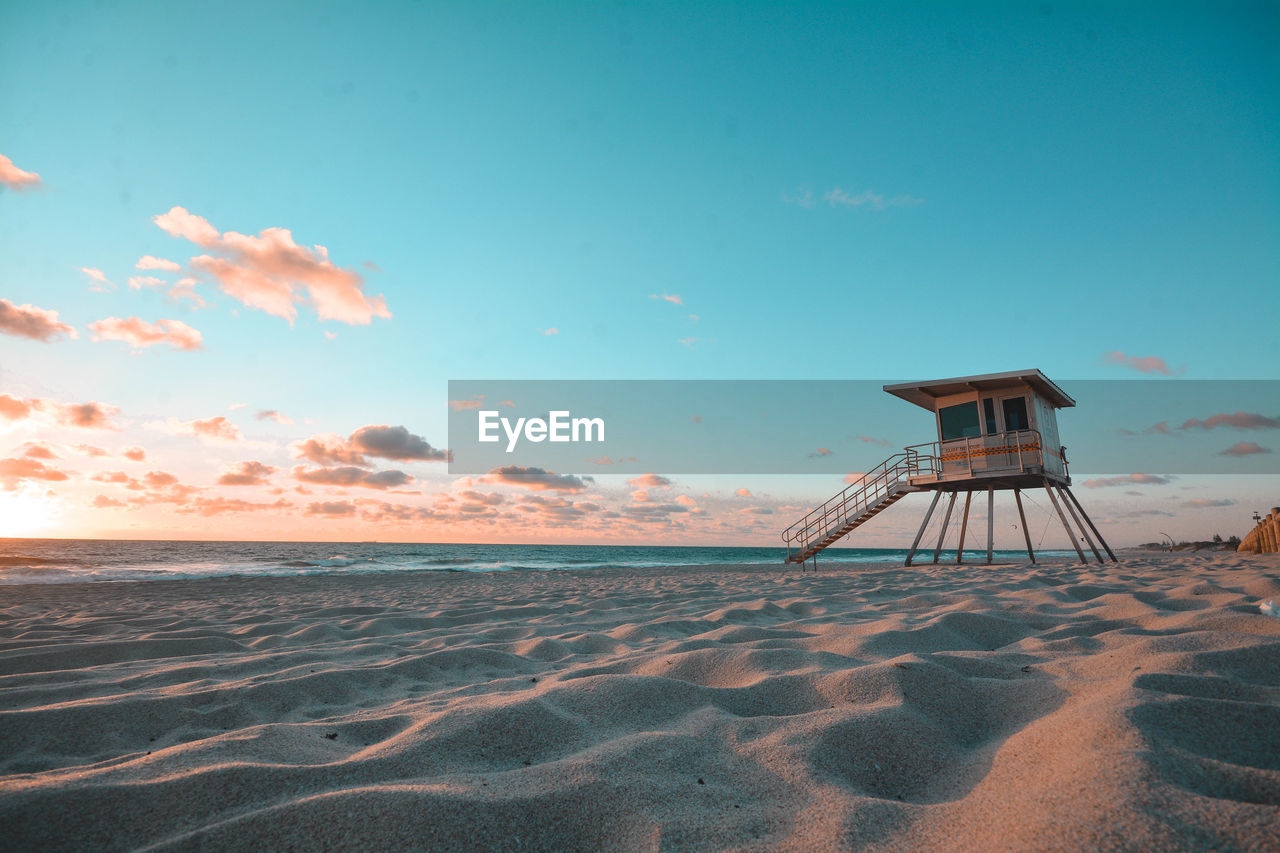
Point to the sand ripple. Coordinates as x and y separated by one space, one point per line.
747 708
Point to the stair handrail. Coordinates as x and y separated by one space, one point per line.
873 484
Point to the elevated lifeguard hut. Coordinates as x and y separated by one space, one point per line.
997 431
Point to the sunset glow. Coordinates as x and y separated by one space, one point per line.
29 511
234 315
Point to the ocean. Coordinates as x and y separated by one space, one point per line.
75 560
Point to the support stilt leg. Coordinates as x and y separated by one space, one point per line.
1063 519
964 525
991 521
1072 512
942 534
1089 521
920 533
1026 534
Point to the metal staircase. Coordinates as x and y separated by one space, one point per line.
857 504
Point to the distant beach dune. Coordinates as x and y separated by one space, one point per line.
1052 707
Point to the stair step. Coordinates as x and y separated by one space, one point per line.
849 524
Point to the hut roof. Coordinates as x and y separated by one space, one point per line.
923 394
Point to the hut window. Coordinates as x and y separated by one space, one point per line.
959 421
1015 413
989 414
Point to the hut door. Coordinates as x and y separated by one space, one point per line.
981 456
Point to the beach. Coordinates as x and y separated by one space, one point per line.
1050 707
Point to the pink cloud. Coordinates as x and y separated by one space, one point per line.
654 511
743 493
91 450
181 223
137 454
217 428
351 476
537 479
104 502
101 283
332 508
1205 503
555 511
486 498
1142 364
28 321
249 473
12 471
668 297
821 451
385 442
649 481
14 178
1238 420
218 506
327 449
39 450
184 289
159 479
383 512
273 415
271 272
87 415
249 287
84 415
150 262
1126 480
140 334
396 443
552 331
1245 448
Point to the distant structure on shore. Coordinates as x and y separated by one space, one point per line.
997 431
1265 538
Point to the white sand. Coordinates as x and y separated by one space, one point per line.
1050 708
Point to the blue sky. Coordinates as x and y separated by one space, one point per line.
852 191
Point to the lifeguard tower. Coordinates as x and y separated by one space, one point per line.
996 432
